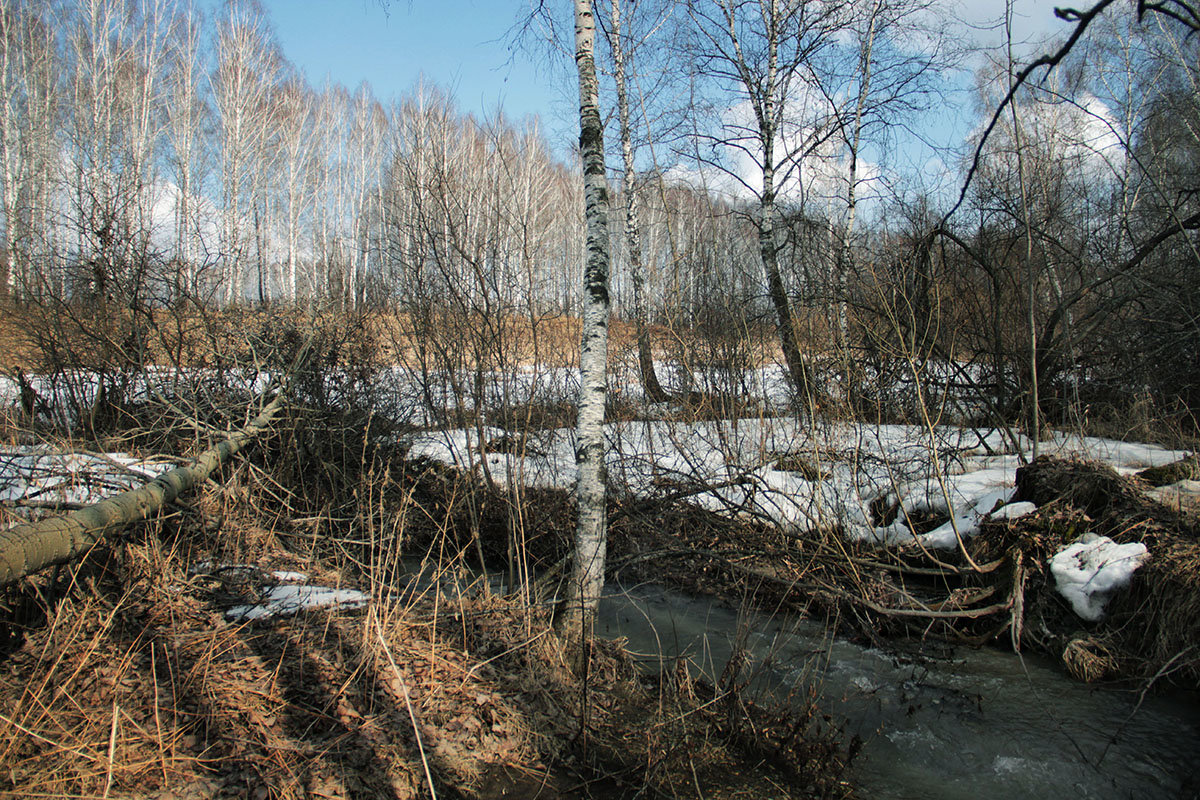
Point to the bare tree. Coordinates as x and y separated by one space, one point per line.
295 109
897 54
623 46
187 115
246 66
27 117
767 55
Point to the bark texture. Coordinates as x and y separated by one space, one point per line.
27 548
577 617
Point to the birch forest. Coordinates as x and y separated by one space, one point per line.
803 405
154 156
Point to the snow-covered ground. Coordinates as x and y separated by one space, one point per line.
39 476
872 482
783 471
284 600
281 593
841 475
1087 571
61 395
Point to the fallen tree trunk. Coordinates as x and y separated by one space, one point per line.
32 546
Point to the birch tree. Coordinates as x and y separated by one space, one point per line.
27 114
765 59
578 616
245 65
187 114
295 137
899 53
366 151
622 45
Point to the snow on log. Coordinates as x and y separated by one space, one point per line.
33 546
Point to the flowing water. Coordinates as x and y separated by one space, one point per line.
964 724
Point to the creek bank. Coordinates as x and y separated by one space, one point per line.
947 723
135 682
996 587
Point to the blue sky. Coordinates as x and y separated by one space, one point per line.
460 45
464 46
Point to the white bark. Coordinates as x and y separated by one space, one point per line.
621 58
578 615
246 66
186 115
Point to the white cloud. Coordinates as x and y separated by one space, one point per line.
1080 135
812 167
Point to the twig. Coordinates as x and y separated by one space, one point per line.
412 717
1018 601
925 613
112 748
39 737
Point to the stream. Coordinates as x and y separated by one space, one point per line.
963 724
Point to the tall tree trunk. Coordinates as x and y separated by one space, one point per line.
650 385
1034 411
767 243
769 251
850 382
577 618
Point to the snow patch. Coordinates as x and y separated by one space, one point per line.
1013 510
42 476
731 467
1088 571
287 576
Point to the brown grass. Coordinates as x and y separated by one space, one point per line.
122 678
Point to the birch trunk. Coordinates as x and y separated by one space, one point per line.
771 99
650 385
844 260
583 593
33 546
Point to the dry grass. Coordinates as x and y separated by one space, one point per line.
122 678
1151 628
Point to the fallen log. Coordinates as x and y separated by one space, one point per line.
32 546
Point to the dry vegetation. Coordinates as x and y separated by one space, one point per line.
1002 594
121 677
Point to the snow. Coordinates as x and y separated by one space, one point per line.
43 476
289 596
777 469
845 470
732 466
1014 510
67 391
1176 494
286 576
1089 570
283 601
